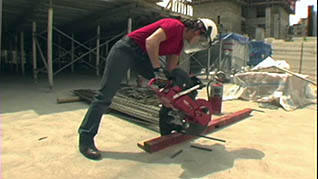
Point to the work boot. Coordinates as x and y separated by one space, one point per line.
88 149
90 152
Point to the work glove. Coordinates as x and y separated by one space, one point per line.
161 77
160 73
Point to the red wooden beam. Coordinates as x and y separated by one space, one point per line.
162 142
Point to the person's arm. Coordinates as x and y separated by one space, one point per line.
172 62
152 46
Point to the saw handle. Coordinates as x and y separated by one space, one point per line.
157 84
152 86
151 82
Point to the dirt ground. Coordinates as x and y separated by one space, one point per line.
39 140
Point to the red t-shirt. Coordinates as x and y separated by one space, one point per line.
174 36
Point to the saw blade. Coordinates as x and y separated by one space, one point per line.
181 123
194 129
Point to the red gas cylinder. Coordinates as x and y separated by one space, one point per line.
215 97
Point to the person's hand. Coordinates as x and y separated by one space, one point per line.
161 77
160 73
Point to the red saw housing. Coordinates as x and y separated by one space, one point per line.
196 111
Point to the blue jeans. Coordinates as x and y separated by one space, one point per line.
125 54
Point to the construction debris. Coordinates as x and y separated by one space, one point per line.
203 136
177 153
42 138
201 148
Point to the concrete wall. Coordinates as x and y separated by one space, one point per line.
275 22
232 14
259 34
281 21
229 12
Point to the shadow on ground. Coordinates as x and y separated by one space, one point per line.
195 163
22 93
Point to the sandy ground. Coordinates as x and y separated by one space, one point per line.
39 140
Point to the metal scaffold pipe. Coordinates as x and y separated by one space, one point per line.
97 50
49 45
129 28
35 73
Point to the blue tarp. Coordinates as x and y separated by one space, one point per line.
258 51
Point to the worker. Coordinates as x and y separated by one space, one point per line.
140 51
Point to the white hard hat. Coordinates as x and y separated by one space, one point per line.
210 27
209 32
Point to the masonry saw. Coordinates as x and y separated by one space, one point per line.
181 111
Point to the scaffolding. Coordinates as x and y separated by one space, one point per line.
49 44
55 48
289 5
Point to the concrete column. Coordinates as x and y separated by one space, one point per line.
35 74
49 45
268 22
259 34
276 26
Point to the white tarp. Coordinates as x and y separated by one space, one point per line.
277 88
270 62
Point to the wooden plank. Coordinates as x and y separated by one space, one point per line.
228 119
162 142
141 145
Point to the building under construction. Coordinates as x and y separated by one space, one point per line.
255 18
52 36
54 51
